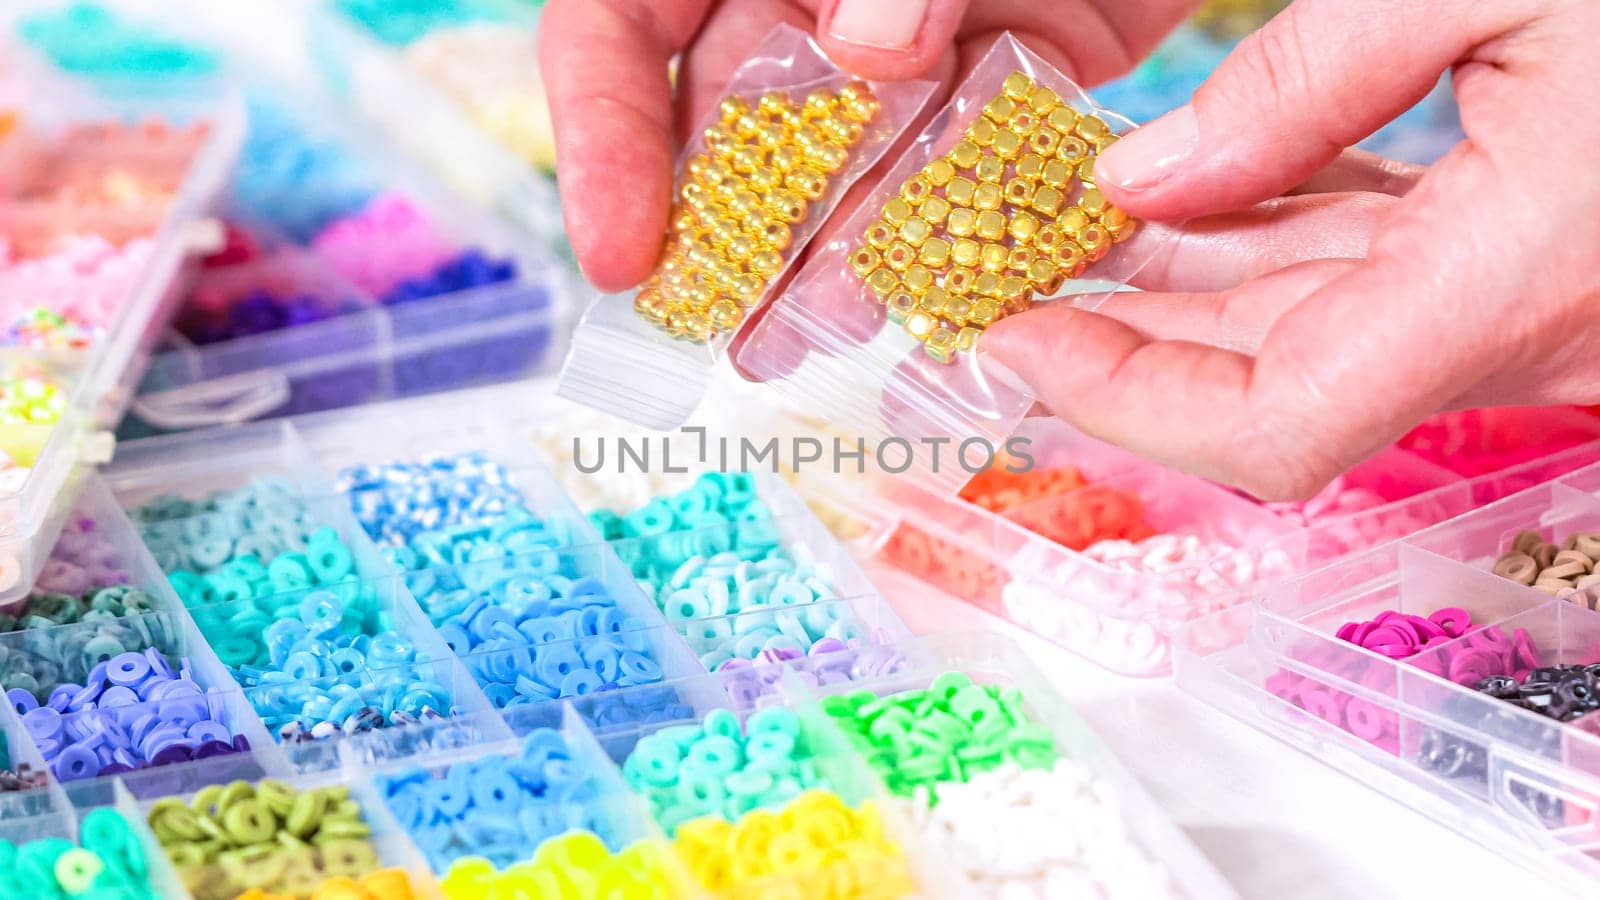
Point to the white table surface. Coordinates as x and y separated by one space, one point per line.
1276 823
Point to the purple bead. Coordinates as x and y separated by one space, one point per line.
75 763
172 753
22 701
209 749
241 743
114 768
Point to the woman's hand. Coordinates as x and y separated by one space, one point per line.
619 123
1478 287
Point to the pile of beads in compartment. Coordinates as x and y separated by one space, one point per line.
714 550
1011 210
108 861
574 864
269 836
506 589
739 200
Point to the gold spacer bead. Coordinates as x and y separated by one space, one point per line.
956 310
934 209
1056 173
1019 259
916 189
900 305
1024 226
939 171
1017 85
1093 202
1072 219
995 258
987 284
766 263
965 252
991 225
919 324
1023 123
731 108
1091 128
747 289
863 260
915 230
963 222
724 315
1044 141
899 256
988 196
917 280
990 169
985 312
1019 191
982 131
807 183
1042 99
958 281
933 300
935 252
965 154
1047 200
772 104
896 211
1000 109
882 282
941 345
1063 119
1007 143
787 206
818 104
1072 149
967 340
880 235
959 191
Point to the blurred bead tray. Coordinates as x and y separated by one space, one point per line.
1125 619
101 379
1520 782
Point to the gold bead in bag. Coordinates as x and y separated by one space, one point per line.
1008 213
765 162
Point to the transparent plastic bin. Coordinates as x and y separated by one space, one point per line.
373 79
1125 620
1522 784
104 376
496 332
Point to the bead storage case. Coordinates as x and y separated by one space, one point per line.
1437 723
346 273
456 84
791 133
96 380
991 205
1119 603
469 303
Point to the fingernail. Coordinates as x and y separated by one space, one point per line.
887 24
1148 155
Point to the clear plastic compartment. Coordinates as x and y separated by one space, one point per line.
493 332
103 383
992 660
1125 620
1520 782
373 79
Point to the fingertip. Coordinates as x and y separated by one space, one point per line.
889 41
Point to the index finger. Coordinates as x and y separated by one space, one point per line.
605 68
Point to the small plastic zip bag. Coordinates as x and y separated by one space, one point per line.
767 167
991 209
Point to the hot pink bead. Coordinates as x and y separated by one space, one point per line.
387 242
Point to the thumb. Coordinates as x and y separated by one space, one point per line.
889 40
1317 78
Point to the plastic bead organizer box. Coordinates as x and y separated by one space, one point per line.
362 653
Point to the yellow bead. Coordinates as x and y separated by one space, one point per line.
934 300
775 235
1020 258
1013 287
857 102
941 345
696 165
988 196
1094 239
920 324
830 158
900 304
1024 226
1040 271
732 108
1085 171
1063 119
959 191
1042 100
1091 128
917 280
939 171
745 160
764 179
967 339
915 230
962 222
725 315
880 235
899 256
1104 141
882 281
739 249
1072 219
1000 109
745 203
934 209
965 154
1093 202
956 310
1048 238
935 252
787 206
843 131
1072 149
819 104
771 135
1056 173
1047 201
991 225
990 169
985 312
965 252
916 189
1017 85
958 281
766 263
772 103
994 258
982 131
864 260
747 126
1044 141
719 141
785 159
1019 192
986 284
1070 258
807 183
897 211
1007 143
747 289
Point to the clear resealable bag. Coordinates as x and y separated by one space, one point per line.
992 206
766 168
